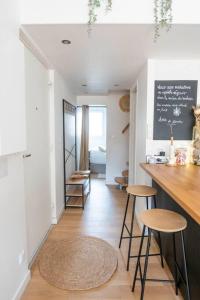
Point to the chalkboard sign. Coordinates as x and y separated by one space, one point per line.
173 101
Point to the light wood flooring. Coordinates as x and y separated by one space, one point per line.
102 218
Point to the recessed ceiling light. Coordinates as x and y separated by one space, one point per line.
84 85
66 42
116 85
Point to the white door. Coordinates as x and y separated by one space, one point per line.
37 157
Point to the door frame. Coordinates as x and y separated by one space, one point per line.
132 135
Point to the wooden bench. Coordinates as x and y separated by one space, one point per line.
77 187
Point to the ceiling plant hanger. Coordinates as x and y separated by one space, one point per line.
162 14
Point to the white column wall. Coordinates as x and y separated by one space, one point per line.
13 272
144 143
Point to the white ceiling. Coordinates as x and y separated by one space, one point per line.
113 54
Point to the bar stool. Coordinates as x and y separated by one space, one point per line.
166 221
138 191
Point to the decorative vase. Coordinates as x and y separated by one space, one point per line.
172 159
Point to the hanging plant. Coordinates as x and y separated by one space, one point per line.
93 6
162 14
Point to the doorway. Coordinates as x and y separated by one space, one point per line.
97 139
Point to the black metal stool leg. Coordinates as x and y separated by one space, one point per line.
155 202
131 233
147 202
175 264
160 246
83 198
185 267
145 265
159 238
138 259
126 209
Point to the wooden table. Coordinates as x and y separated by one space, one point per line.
179 190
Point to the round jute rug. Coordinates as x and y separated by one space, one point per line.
79 263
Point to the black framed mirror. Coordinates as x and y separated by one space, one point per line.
69 141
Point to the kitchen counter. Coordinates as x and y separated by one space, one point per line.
179 190
182 183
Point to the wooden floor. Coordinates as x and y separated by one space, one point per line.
102 218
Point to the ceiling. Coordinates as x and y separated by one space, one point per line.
112 54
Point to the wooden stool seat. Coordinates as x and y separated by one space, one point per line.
163 220
121 181
141 190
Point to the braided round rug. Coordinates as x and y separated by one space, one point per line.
79 263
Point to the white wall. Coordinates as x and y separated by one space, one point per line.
165 70
144 143
12 106
12 226
140 128
12 134
126 11
59 91
117 143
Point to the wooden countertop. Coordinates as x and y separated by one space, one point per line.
182 183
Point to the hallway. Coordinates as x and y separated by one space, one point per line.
102 218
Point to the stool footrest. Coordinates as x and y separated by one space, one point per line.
133 236
157 280
152 254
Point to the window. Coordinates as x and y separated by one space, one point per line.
97 127
96 124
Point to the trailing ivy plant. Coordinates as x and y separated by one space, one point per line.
93 6
162 16
162 13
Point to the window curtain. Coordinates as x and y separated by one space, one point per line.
84 159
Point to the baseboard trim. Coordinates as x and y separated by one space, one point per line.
55 220
22 286
39 247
